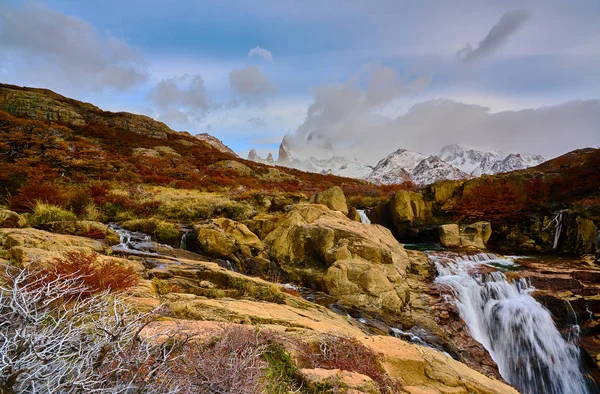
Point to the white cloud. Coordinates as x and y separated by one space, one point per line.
262 52
181 99
40 40
251 86
344 119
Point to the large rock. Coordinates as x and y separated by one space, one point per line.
10 219
426 371
262 224
344 381
333 198
228 239
354 215
443 190
364 266
84 228
409 209
30 246
449 235
235 166
475 235
587 237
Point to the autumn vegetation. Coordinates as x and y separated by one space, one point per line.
569 181
107 166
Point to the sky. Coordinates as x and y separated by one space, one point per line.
360 78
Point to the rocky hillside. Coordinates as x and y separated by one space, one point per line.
52 138
527 208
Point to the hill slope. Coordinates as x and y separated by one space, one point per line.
51 137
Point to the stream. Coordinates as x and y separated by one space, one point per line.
517 331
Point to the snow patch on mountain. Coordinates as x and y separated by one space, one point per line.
253 156
433 169
477 163
404 165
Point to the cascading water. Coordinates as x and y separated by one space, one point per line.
517 331
363 216
131 242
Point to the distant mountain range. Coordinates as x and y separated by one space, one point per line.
453 162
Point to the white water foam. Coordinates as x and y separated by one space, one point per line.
517 331
363 216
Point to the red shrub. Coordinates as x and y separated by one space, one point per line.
95 275
37 190
346 353
95 234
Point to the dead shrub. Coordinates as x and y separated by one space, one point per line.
336 351
96 276
240 360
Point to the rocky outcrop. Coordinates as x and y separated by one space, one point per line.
353 215
84 228
30 246
333 198
45 105
449 235
317 379
586 241
408 209
364 266
443 190
423 370
10 219
475 235
232 165
227 239
215 143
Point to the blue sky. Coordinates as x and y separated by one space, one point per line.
188 63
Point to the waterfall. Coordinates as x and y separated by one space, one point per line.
132 242
558 221
183 243
363 216
517 331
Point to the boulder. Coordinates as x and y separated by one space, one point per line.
449 235
228 239
587 237
31 246
338 380
262 224
83 228
353 215
423 370
443 190
364 266
10 219
333 198
235 166
475 235
408 209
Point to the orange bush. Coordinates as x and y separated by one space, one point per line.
95 275
34 190
346 353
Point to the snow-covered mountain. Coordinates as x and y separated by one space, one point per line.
433 169
253 156
477 162
395 167
454 162
336 165
404 165
342 166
